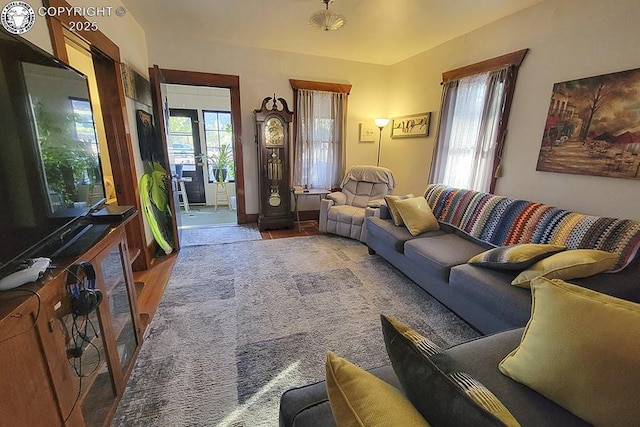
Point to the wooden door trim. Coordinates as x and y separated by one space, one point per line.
231 82
106 58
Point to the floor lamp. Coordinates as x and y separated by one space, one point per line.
381 123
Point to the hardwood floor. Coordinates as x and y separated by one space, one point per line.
307 228
150 286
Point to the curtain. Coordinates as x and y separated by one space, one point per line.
468 132
320 139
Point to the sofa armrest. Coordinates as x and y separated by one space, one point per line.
384 212
338 197
325 204
369 211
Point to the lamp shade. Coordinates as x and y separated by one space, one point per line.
381 122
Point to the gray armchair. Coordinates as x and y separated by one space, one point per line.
362 193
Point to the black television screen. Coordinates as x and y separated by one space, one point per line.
50 171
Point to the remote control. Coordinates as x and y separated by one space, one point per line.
29 271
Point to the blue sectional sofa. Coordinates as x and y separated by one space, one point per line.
472 222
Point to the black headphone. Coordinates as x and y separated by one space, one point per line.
81 285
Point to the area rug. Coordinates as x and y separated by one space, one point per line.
242 322
218 234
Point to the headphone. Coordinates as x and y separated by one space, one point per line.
81 285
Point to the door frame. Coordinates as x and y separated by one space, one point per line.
106 63
227 81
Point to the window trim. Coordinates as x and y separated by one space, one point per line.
512 60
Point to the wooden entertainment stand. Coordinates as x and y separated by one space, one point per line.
40 381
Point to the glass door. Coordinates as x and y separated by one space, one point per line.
185 152
113 275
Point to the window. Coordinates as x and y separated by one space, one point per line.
473 117
180 147
321 111
218 135
83 123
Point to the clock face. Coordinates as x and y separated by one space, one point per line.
273 133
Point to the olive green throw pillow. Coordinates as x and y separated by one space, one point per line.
361 399
393 210
416 215
445 396
571 264
581 349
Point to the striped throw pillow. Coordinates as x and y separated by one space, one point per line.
515 257
441 393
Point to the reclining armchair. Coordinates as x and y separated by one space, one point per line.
362 193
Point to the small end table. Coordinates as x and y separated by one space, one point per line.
311 192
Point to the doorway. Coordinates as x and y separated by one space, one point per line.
161 80
200 150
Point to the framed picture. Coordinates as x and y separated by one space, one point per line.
593 127
368 132
413 126
136 86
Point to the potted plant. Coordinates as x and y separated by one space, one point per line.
220 162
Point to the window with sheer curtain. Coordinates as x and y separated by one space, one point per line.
319 138
473 117
320 120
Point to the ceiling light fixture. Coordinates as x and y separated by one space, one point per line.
326 19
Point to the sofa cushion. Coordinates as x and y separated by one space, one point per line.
309 405
485 298
480 357
515 257
568 265
360 399
393 210
441 251
416 215
444 395
347 214
581 349
392 235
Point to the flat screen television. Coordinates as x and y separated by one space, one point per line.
50 174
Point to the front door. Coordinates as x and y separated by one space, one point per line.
185 151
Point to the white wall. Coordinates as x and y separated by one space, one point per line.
265 72
568 39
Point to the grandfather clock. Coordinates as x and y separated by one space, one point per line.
273 137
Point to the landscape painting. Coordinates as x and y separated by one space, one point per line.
593 127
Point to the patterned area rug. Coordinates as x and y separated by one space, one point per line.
219 234
242 322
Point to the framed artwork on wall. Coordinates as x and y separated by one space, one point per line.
368 132
413 126
593 127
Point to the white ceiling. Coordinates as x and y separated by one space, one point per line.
377 31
